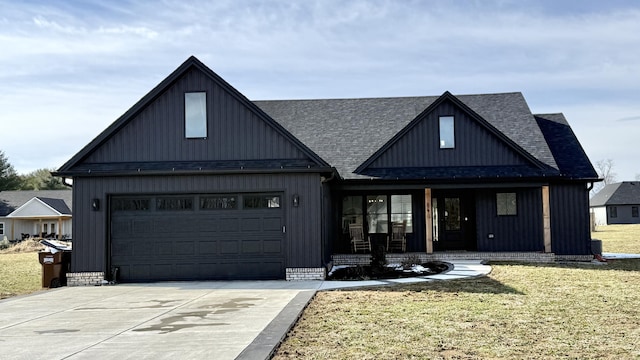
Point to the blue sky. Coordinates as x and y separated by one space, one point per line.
69 69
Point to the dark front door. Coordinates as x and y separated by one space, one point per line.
455 221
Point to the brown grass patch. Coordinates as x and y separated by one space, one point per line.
20 273
619 238
519 311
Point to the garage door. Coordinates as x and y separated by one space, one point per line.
197 237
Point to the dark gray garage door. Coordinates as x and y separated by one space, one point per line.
197 237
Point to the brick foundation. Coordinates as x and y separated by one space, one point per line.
296 274
85 278
365 259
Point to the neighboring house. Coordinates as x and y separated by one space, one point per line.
617 204
35 214
195 181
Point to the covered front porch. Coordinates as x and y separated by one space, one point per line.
482 221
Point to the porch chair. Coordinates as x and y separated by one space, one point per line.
398 238
358 242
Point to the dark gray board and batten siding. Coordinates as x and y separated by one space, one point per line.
156 134
303 223
474 145
570 228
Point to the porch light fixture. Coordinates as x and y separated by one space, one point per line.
296 200
95 204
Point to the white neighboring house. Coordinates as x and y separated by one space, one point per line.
617 203
43 213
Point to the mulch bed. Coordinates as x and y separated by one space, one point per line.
390 271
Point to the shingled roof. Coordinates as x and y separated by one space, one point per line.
623 193
334 128
60 200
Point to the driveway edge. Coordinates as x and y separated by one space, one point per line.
266 343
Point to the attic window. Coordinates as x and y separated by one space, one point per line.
195 115
447 133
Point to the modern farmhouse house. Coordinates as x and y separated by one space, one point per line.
195 181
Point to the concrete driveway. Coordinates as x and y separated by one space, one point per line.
180 320
190 320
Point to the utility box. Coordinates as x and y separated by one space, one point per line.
54 268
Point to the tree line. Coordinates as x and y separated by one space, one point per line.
40 179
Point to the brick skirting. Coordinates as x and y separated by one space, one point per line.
85 278
365 259
295 274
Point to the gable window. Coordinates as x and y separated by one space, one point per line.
506 204
195 115
447 132
634 211
613 212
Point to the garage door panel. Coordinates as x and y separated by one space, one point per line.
272 224
272 246
208 247
229 225
251 224
228 247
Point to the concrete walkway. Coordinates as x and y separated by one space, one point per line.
186 320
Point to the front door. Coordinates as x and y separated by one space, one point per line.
455 219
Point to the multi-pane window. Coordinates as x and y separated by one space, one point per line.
634 211
401 211
447 132
195 115
174 204
131 204
613 212
351 212
219 202
261 201
506 204
1 228
377 214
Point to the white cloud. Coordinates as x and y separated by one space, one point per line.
69 70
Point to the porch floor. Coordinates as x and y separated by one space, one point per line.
365 259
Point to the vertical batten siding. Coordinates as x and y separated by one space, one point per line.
156 133
570 231
474 145
303 238
522 232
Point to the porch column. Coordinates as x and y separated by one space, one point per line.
12 230
546 219
428 220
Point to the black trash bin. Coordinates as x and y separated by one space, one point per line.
54 268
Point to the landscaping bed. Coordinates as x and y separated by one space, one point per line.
387 271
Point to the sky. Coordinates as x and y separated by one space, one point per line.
70 68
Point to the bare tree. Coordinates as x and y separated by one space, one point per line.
604 167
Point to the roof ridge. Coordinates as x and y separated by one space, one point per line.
385 97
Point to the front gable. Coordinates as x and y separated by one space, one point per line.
34 208
480 150
151 136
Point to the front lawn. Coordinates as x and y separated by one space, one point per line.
519 311
20 273
619 238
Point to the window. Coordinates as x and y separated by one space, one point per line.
613 212
1 228
377 215
195 115
401 211
131 204
634 211
219 202
261 201
351 212
447 133
506 204
175 204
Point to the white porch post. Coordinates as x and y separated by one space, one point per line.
428 220
546 219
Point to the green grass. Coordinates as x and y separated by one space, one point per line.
519 311
20 273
